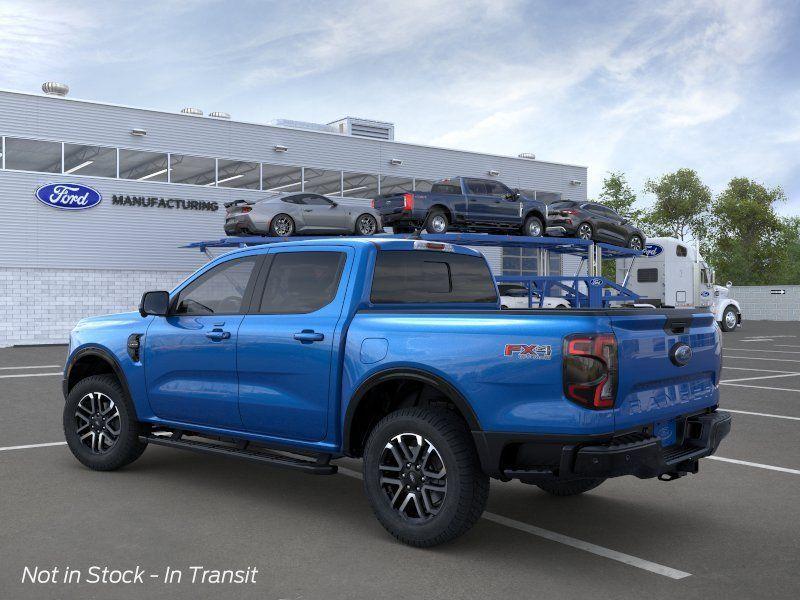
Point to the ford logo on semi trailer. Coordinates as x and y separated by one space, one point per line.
652 250
68 196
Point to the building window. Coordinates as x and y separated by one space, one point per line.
360 185
396 185
280 178
320 181
194 170
423 185
33 155
97 161
143 166
237 174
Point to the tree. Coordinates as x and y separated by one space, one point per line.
751 244
618 196
681 206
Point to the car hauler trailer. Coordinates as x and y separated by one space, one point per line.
671 273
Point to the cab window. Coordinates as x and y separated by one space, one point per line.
219 291
301 282
681 251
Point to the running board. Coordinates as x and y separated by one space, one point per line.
321 466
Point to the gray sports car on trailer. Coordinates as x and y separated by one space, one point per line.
287 214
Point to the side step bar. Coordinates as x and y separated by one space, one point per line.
321 466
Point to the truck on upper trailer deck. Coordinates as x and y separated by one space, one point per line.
395 351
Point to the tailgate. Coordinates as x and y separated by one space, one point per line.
388 203
653 387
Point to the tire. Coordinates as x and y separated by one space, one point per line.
281 225
584 232
570 488
452 462
636 243
437 222
533 227
729 319
366 224
97 451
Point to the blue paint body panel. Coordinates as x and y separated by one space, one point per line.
262 384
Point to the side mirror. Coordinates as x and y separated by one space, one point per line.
154 303
334 204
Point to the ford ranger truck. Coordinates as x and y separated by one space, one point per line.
464 204
395 351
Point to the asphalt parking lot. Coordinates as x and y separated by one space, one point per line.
731 531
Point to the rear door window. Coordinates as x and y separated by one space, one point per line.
425 277
301 282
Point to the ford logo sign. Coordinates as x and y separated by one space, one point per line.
681 354
705 293
652 250
596 281
68 196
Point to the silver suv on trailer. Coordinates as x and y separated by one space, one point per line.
287 214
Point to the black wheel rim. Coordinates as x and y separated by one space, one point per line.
413 477
97 422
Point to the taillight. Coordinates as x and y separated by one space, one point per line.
246 209
590 369
408 201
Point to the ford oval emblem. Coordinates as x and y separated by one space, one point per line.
681 354
68 196
652 250
596 281
705 293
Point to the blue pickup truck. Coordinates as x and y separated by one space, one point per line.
464 204
396 351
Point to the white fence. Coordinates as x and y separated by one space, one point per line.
768 302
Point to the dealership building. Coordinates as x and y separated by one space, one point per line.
162 179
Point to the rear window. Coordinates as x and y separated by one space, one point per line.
446 188
426 276
647 275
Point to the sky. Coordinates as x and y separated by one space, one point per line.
639 87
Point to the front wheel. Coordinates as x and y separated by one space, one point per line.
533 227
422 476
437 222
570 488
584 232
366 224
100 424
635 243
729 319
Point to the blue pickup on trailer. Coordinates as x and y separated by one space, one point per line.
296 353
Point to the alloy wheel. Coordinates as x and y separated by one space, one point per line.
282 226
730 319
635 243
367 225
97 421
585 231
413 477
534 228
439 224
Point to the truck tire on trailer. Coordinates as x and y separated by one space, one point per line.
533 227
422 476
436 222
730 319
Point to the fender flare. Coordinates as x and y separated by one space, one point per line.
718 314
99 352
405 373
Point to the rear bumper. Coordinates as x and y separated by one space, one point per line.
536 458
399 216
242 225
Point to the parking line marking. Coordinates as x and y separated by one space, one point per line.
759 350
760 387
627 559
758 465
31 367
792 360
747 412
33 446
752 369
759 377
30 375
786 346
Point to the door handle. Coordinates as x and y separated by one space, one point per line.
217 335
307 336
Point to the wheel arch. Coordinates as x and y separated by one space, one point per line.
360 401
446 209
535 212
92 360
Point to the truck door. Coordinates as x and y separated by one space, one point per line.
190 355
479 202
286 343
705 285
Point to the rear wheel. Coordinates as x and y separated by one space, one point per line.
584 231
730 319
281 226
570 488
422 476
100 424
366 224
437 222
533 227
635 243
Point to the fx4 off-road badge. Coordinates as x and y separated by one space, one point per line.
529 351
